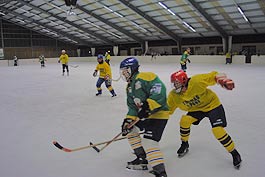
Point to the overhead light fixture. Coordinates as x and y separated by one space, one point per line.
163 5
1 13
170 11
242 13
138 26
71 15
59 8
116 13
190 27
22 21
108 8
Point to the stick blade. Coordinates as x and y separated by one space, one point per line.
94 147
61 147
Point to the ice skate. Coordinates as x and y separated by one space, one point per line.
184 149
157 174
98 94
114 95
236 159
137 164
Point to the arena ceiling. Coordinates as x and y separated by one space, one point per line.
112 22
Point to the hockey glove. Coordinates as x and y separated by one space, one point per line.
95 73
144 111
59 61
107 77
124 127
226 83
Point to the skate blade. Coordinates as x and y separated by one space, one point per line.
138 167
238 166
183 154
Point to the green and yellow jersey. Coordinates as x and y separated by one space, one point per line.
197 97
184 57
146 86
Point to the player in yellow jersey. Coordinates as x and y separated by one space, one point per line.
107 57
64 59
104 76
192 95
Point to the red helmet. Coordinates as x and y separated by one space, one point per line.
179 80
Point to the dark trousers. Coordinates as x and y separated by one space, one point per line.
65 66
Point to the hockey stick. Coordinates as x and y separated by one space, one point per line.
98 150
116 80
59 146
113 139
74 66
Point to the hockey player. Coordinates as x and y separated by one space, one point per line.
42 61
64 60
107 57
104 76
146 99
184 59
192 95
15 60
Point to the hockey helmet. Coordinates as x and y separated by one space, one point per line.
128 67
179 80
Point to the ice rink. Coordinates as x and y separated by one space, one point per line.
38 106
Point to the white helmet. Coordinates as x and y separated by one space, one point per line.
63 51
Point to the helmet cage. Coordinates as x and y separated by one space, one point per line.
126 73
177 86
179 80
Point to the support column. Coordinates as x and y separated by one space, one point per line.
179 47
115 50
225 44
2 37
230 43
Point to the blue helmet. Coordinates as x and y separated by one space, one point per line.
128 67
130 62
100 56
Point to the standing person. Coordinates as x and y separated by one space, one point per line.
184 59
15 60
107 57
64 59
228 58
105 75
192 95
146 99
42 61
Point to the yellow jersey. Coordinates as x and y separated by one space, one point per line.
104 70
197 97
64 59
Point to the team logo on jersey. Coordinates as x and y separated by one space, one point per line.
156 88
193 102
138 85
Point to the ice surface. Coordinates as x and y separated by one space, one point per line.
38 106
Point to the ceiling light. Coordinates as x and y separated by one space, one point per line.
242 13
190 27
108 8
163 5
